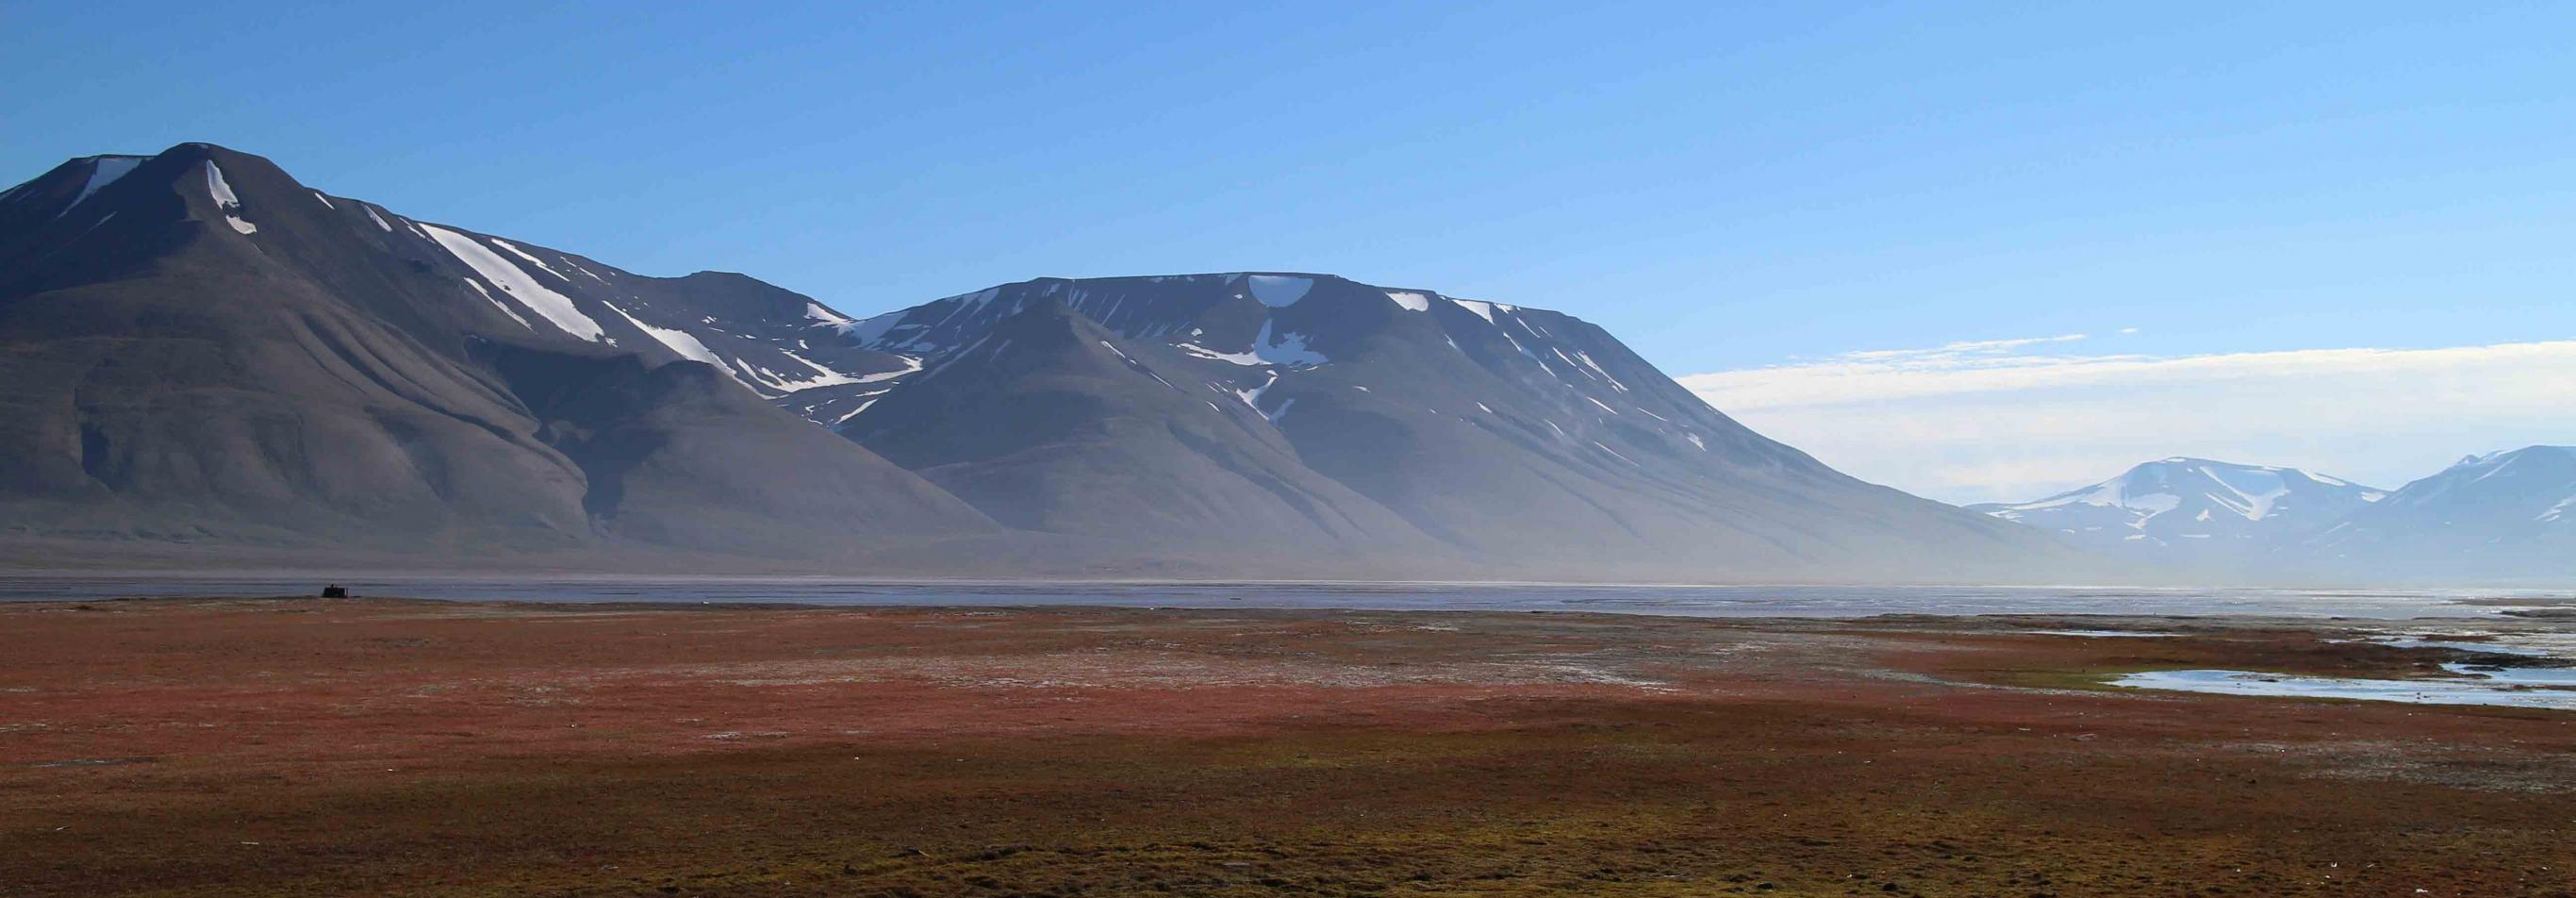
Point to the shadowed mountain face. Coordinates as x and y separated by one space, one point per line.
196 348
1303 411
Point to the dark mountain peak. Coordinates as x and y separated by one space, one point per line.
239 212
235 165
203 346
209 184
192 153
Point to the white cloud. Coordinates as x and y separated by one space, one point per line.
1985 420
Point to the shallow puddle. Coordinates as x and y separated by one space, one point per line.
2490 648
2495 688
2518 676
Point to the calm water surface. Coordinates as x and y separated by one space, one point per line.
1697 601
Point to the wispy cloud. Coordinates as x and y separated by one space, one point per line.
1969 349
2017 418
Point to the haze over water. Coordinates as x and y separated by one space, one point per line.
1690 601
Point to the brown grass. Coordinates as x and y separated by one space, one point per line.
386 748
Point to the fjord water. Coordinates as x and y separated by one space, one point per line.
1692 601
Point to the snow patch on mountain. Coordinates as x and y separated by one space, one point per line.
2254 490
521 253
103 171
1411 301
221 192
815 376
2558 511
679 341
497 303
911 364
1278 290
515 281
220 189
1252 397
816 312
2161 503
1266 349
826 376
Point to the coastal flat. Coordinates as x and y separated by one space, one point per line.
389 747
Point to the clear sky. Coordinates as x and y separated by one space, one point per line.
1750 192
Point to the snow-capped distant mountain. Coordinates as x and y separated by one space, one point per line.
2194 509
2500 516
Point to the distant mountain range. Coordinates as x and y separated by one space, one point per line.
2503 514
2498 517
2194 508
201 351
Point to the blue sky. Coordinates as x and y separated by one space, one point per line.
1730 189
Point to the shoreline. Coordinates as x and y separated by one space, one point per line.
1793 602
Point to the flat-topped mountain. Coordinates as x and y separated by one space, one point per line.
1303 409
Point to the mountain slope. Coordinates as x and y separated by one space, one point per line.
2489 518
1525 438
2194 510
198 348
1045 423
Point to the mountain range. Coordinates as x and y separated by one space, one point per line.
2500 515
203 352
2503 516
2194 508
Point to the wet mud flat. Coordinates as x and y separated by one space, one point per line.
387 747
